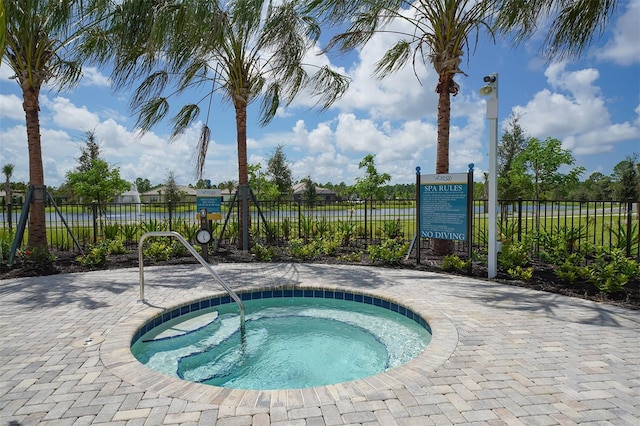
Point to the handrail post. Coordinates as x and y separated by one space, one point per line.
199 258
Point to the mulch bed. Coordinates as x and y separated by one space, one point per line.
543 279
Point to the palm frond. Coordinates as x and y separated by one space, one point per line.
201 150
152 112
394 59
329 86
150 88
270 103
184 118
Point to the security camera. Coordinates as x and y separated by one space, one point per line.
489 78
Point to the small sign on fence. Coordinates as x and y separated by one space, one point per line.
211 200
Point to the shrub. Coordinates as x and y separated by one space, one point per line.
354 257
111 231
95 255
610 272
263 253
188 230
178 249
571 270
115 246
129 231
158 250
286 226
300 250
347 230
323 227
454 263
6 239
513 254
391 229
389 252
520 273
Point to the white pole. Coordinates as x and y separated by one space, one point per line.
491 89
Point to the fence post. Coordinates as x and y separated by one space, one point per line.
629 219
9 217
170 206
366 234
299 218
519 219
94 210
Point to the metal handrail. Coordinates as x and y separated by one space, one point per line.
199 258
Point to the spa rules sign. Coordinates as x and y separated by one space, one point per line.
444 206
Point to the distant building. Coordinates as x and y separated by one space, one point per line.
18 197
323 195
158 195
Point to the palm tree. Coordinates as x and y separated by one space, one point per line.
440 35
7 171
243 50
39 36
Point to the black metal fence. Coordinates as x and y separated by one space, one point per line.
601 223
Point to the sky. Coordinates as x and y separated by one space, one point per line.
591 104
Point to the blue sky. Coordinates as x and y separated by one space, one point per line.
592 105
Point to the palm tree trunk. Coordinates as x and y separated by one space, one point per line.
37 224
443 247
240 105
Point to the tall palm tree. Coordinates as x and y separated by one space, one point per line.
7 171
440 31
39 39
242 50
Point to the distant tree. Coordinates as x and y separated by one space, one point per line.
543 159
200 184
172 193
143 185
280 173
625 179
229 185
512 143
7 171
263 188
369 185
309 195
94 180
598 187
89 152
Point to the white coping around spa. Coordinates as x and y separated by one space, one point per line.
115 353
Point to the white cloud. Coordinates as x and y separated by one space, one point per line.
66 114
623 48
11 107
576 114
91 76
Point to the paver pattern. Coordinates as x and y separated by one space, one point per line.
500 354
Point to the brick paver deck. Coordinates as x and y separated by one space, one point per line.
499 355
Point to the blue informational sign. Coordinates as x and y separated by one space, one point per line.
211 200
443 206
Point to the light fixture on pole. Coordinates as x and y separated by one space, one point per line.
490 89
